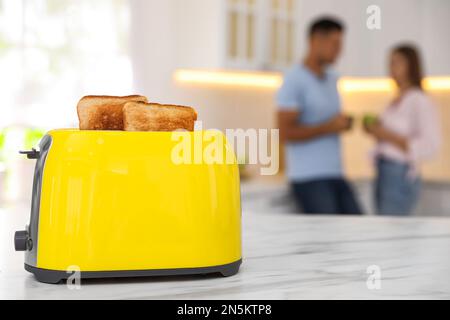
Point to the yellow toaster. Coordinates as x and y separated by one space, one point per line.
127 204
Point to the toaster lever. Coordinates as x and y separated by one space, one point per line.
33 154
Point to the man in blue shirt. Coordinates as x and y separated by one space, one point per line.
310 123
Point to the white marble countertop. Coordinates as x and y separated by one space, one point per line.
286 256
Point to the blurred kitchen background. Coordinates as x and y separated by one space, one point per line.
224 57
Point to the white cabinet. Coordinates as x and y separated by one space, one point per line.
272 34
259 34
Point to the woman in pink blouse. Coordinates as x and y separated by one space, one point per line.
407 133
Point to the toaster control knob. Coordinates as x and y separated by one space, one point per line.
22 241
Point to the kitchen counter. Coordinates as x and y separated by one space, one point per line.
286 256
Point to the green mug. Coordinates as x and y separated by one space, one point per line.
370 120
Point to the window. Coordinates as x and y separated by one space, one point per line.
260 34
51 53
54 51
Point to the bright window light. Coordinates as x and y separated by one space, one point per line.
54 52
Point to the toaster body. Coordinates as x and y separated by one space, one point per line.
121 204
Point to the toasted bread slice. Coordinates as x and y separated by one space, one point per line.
103 112
158 117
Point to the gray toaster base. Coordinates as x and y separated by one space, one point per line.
56 276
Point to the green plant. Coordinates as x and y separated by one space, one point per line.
2 144
32 138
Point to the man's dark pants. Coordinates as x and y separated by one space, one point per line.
326 196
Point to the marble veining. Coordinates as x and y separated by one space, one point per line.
286 256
